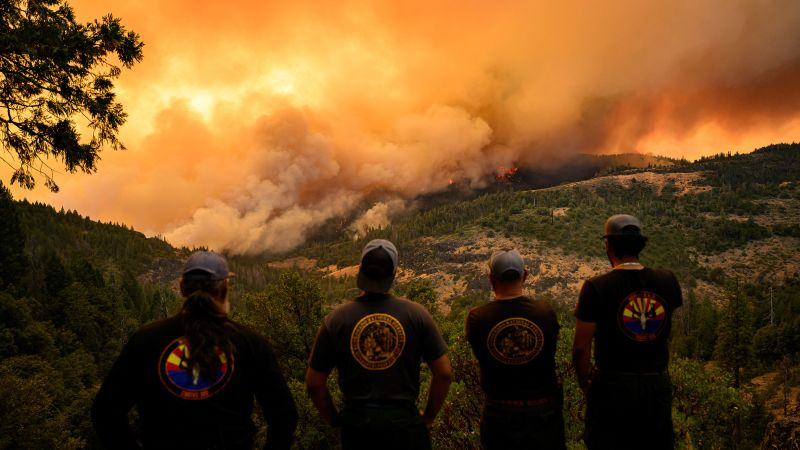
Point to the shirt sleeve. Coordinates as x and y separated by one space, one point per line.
468 325
588 302
433 345
469 329
678 293
274 397
554 320
114 400
323 355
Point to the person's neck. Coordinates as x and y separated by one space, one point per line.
373 294
505 295
626 263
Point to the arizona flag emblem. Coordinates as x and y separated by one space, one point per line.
179 380
642 316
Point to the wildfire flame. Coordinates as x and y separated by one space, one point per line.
505 175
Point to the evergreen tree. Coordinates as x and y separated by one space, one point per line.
54 69
695 325
288 314
87 274
734 348
13 261
56 279
421 292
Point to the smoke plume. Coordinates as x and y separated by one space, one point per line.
377 217
251 125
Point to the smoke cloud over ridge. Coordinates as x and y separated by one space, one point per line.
251 124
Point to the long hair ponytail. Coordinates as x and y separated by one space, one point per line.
205 329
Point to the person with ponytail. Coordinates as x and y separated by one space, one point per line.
194 376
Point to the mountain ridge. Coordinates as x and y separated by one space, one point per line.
87 286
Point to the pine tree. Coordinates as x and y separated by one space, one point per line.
53 70
734 348
13 260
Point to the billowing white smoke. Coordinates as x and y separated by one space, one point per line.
250 126
377 217
297 177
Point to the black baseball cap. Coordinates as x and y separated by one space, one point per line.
622 225
507 265
378 264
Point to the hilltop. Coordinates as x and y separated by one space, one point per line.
716 219
719 214
728 226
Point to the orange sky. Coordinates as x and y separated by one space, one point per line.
252 122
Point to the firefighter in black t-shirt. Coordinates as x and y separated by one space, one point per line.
377 342
194 376
514 339
627 312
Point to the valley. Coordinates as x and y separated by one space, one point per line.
728 226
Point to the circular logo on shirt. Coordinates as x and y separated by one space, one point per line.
515 341
173 369
377 341
642 316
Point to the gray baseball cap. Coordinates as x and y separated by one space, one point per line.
378 266
507 265
206 266
622 225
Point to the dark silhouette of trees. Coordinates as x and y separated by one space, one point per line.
13 261
288 314
52 71
734 348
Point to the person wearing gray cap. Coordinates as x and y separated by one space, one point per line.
514 340
627 313
377 342
194 376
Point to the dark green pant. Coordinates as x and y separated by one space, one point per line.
523 427
384 427
629 411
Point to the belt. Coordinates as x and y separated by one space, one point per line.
380 403
521 403
598 371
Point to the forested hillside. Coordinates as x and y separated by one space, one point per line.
728 226
71 291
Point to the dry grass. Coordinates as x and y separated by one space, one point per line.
711 292
560 212
781 211
684 183
299 262
552 272
775 404
336 272
772 259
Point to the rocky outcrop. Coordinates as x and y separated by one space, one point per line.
782 434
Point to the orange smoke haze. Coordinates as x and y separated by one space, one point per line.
250 123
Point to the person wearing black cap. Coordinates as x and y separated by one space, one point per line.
193 376
627 312
514 339
377 342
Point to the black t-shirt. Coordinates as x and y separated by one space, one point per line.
514 341
633 312
181 410
377 343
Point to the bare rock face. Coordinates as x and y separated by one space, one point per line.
782 434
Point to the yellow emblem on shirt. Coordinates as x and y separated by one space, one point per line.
515 341
377 341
